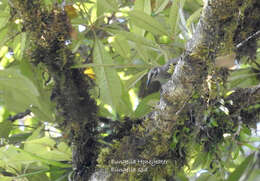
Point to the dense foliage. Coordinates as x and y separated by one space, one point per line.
74 73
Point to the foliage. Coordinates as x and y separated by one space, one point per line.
120 41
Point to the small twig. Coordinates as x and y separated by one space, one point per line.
27 126
257 64
19 115
249 38
32 127
111 65
11 37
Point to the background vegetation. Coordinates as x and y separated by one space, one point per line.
73 92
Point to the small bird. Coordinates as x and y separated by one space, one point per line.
161 74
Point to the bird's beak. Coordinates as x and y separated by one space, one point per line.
149 78
148 82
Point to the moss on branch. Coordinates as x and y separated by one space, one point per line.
49 30
189 114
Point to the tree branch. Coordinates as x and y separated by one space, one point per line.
180 112
214 33
19 115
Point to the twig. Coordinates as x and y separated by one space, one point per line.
32 127
11 37
19 115
249 38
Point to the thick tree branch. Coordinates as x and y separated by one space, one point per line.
180 112
48 31
214 33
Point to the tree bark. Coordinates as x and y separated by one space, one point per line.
48 31
185 98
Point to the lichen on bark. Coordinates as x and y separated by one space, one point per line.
190 99
49 29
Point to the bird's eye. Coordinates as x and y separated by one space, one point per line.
156 71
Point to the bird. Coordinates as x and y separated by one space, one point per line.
229 61
161 74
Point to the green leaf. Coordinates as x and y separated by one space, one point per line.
44 147
160 5
213 122
107 78
194 17
241 169
22 47
44 160
175 17
44 141
103 112
243 78
136 39
124 107
18 138
5 128
142 52
207 177
62 175
143 6
3 35
147 22
18 91
135 78
15 156
9 156
3 51
121 46
104 6
4 178
174 140
200 160
38 133
200 2
255 175
145 106
48 3
4 14
182 176
251 147
34 173
63 147
44 109
115 66
254 139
